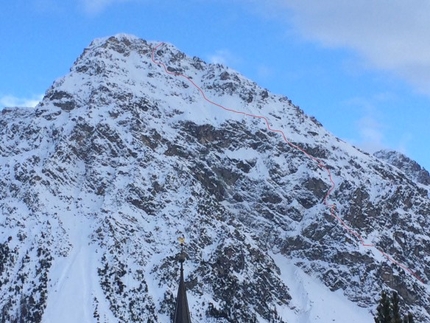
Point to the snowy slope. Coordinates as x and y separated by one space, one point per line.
411 168
314 302
140 144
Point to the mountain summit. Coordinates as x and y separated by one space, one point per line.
141 144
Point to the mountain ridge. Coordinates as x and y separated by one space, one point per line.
416 172
133 158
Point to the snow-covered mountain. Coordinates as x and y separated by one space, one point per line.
410 167
140 144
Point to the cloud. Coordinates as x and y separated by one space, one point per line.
405 141
223 57
9 101
370 130
97 6
371 134
264 71
47 6
373 130
391 35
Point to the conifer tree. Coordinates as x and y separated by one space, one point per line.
395 308
388 310
408 318
383 314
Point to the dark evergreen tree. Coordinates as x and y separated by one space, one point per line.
408 318
395 308
383 310
388 310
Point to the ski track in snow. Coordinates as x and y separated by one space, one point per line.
331 207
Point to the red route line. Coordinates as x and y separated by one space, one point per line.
331 207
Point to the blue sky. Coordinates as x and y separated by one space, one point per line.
361 67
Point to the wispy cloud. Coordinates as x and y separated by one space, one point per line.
369 126
388 35
264 71
13 101
48 6
371 134
405 142
224 57
97 6
373 129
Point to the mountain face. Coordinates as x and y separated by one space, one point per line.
410 167
139 145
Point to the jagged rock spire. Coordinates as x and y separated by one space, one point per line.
182 312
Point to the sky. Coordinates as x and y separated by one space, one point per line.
361 67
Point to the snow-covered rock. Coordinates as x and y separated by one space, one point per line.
140 144
411 168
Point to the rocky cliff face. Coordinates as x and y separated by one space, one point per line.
121 158
414 171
